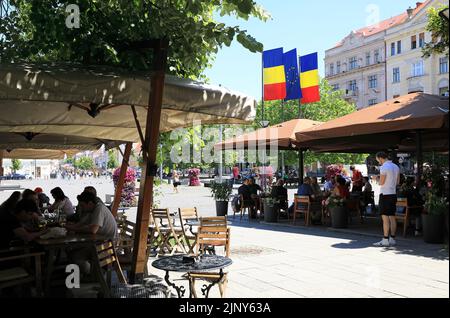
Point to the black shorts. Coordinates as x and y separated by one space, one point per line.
176 184
388 204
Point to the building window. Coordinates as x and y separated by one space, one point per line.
353 63
373 82
443 65
376 56
372 101
392 48
352 86
331 69
338 67
443 91
335 87
399 47
421 39
396 75
368 58
417 69
413 42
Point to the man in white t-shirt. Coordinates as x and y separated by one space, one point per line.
389 178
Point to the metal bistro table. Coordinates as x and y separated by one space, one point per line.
207 263
53 245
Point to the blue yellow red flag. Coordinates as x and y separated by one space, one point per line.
274 78
309 78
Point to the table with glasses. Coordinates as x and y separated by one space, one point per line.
53 246
206 263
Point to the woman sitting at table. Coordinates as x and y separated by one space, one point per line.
340 190
61 203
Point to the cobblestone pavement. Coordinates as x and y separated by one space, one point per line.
285 261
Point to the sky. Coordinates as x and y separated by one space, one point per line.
307 25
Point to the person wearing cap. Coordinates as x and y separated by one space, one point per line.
42 198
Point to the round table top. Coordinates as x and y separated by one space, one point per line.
206 263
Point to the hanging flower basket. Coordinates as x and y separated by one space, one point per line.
127 198
194 180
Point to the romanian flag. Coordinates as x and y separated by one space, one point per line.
309 78
293 90
274 75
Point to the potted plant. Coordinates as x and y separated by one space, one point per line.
221 193
271 209
433 220
338 211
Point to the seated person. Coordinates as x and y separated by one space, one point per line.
11 224
42 198
10 204
305 189
98 220
245 191
329 185
340 190
279 191
28 194
61 202
367 185
316 187
254 188
78 215
414 199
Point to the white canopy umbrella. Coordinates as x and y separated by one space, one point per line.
96 102
37 153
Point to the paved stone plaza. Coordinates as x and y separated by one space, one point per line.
284 261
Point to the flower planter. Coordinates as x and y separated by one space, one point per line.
222 208
271 213
339 217
433 228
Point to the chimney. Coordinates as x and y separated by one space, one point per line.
418 4
410 12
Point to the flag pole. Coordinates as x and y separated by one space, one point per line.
300 151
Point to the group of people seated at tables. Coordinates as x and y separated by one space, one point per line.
338 185
21 214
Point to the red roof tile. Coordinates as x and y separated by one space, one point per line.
386 24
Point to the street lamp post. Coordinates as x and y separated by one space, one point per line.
264 124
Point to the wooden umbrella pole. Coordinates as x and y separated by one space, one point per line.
121 181
149 149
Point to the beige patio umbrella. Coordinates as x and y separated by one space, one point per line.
281 135
391 124
96 102
38 153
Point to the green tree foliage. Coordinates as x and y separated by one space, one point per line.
331 106
112 159
37 31
16 164
84 163
438 26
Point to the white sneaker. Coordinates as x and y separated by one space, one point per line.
383 243
392 241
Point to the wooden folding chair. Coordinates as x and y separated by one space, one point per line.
186 214
21 275
302 205
216 236
166 232
405 217
243 208
354 207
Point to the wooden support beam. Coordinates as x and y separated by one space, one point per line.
150 146
121 181
300 166
419 156
1 164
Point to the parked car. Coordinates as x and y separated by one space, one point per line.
17 176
